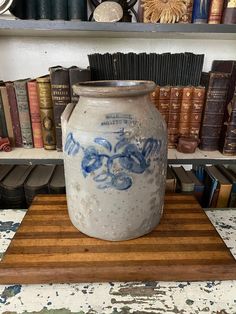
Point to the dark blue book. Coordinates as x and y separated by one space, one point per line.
200 11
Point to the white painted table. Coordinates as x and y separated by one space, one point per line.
217 297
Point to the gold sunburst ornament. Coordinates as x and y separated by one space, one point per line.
163 11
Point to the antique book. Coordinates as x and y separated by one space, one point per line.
200 11
215 11
174 115
198 100
59 10
30 10
185 111
57 182
187 16
14 113
46 112
155 96
198 185
60 89
3 125
229 15
77 75
44 9
231 176
211 192
7 113
38 181
24 115
215 106
185 182
170 180
77 10
164 102
35 113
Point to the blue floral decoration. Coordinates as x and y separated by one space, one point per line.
129 156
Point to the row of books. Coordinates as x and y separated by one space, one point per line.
30 109
20 183
213 186
190 11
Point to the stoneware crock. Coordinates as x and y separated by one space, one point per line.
115 155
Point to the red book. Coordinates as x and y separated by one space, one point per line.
35 113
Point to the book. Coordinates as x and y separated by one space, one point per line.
57 182
155 95
3 125
170 180
4 170
200 11
30 9
186 184
77 75
215 106
198 185
77 10
229 16
44 9
231 176
210 193
185 111
24 115
198 100
35 113
215 11
46 112
60 89
164 102
14 113
7 113
59 10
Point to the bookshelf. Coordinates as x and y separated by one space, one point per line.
28 49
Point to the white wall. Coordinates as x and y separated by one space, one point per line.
22 57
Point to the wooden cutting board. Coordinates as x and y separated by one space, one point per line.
48 249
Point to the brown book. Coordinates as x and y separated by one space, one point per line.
214 110
198 185
185 182
164 102
35 113
60 88
77 75
187 16
229 15
3 125
215 11
7 112
196 111
24 114
185 111
155 96
14 113
170 180
174 115
46 112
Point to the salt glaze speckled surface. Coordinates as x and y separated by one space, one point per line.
115 156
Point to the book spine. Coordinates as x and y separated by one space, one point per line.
30 10
77 75
200 11
196 111
77 10
7 113
35 114
60 88
229 15
164 102
14 114
59 10
3 125
187 16
185 111
24 115
43 8
46 113
214 110
215 11
174 115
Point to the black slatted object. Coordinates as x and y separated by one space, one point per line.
44 9
59 10
18 8
77 10
57 182
30 10
38 182
4 170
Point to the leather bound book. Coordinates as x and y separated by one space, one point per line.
77 10
185 111
155 95
164 102
170 181
174 115
57 182
187 16
30 10
186 184
77 75
38 181
46 112
6 107
196 111
3 125
60 88
200 11
214 110
24 115
215 11
229 16
44 9
35 113
14 113
59 10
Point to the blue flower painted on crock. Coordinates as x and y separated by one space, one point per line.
111 167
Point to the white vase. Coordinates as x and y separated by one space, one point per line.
115 156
